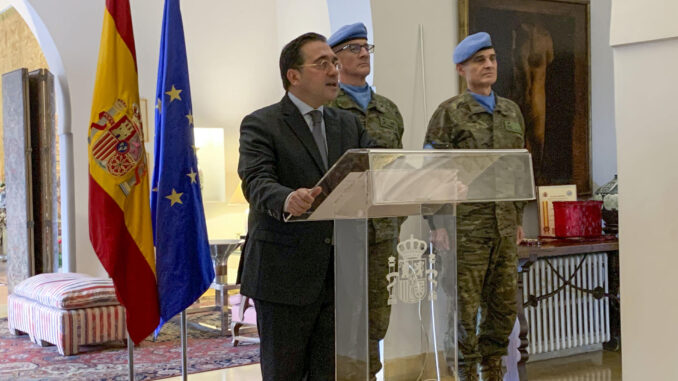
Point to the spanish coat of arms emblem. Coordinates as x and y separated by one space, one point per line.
117 144
416 276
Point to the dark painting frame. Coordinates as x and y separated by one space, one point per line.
543 55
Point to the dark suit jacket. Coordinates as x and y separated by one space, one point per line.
287 262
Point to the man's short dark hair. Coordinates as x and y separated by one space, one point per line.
291 57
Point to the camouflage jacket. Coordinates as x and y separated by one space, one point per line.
461 122
384 124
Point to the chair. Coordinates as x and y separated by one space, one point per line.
243 314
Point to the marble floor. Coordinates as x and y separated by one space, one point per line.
594 366
598 366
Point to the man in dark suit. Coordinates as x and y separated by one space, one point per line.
287 268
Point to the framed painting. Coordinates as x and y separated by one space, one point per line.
543 56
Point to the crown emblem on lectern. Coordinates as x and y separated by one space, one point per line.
412 248
416 275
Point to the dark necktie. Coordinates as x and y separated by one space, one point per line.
316 117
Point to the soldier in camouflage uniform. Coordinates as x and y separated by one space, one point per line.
487 233
384 124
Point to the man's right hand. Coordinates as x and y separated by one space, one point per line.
440 239
301 200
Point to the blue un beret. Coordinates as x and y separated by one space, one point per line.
346 33
470 45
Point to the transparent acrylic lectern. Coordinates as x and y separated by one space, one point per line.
421 279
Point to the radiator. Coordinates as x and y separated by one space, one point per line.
569 311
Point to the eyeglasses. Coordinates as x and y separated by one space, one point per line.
356 48
325 65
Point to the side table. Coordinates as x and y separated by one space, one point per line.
220 250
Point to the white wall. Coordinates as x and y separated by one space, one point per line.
647 20
344 12
398 73
295 17
645 81
646 141
603 134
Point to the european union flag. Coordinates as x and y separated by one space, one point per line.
183 263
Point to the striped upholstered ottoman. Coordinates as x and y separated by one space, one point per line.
67 310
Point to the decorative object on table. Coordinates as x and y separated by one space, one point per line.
608 194
546 195
578 218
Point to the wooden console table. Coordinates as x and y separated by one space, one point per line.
528 255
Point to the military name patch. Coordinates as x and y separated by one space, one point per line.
388 123
513 126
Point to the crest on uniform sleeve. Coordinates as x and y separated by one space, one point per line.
416 276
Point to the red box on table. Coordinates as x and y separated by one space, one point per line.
578 218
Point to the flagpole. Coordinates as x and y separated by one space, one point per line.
184 345
130 357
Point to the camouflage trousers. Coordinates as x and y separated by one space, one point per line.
487 282
379 310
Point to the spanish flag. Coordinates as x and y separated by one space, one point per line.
119 208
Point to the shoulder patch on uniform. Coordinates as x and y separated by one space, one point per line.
382 104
